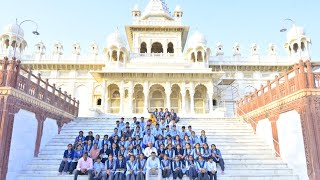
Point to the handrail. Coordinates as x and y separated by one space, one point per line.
251 120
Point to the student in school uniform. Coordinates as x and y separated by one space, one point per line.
217 157
89 137
141 167
188 151
79 137
122 141
202 169
66 163
97 169
168 141
114 151
127 132
205 151
156 132
128 142
162 124
137 141
203 138
129 152
161 151
87 148
170 152
183 132
130 173
159 141
147 138
122 152
109 166
97 141
137 151
174 132
191 168
185 141
137 132
114 139
179 152
120 168
212 168
177 167
189 131
177 141
78 152
197 151
104 153
104 141
153 167
165 167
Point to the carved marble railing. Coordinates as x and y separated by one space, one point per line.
14 76
300 77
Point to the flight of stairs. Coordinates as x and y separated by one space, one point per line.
246 156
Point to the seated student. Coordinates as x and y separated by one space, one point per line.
147 138
129 152
137 151
156 132
197 151
130 169
212 168
202 169
118 125
188 151
95 152
87 148
104 153
158 118
167 131
183 132
165 167
116 132
141 167
128 142
104 141
170 122
168 140
177 167
120 168
125 127
161 151
185 141
149 150
142 123
217 157
109 166
174 132
206 151
191 168
179 152
174 115
97 141
137 132
153 166
122 151
114 150
189 131
122 141
121 124
127 133
155 112
137 141
159 141
114 139
89 137
162 124
170 152
167 113
79 137
194 139
133 124
97 169
177 140
203 138
77 155
161 113
65 164
78 143
84 166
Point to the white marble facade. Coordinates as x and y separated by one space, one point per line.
157 65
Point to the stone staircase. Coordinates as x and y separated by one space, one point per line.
247 157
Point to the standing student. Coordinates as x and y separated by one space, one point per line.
140 167
97 169
84 167
177 167
217 157
165 167
130 175
109 166
202 169
191 168
120 168
212 168
153 166
66 163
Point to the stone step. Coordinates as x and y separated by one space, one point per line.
222 133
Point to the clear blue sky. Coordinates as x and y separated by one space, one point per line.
227 21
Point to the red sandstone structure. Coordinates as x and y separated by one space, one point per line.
20 89
297 89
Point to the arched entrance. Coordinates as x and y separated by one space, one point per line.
175 98
138 99
114 96
156 48
200 97
156 97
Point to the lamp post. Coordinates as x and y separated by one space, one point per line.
35 32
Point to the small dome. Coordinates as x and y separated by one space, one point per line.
14 29
197 39
295 32
178 9
135 8
116 39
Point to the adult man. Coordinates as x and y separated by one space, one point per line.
84 167
95 152
153 166
149 150
68 156
147 138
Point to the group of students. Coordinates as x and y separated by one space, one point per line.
140 149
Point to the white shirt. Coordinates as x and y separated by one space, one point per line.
153 163
148 151
212 166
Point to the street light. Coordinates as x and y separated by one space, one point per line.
35 32
284 29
